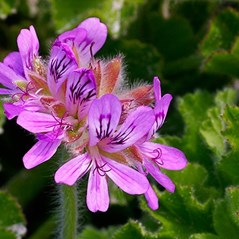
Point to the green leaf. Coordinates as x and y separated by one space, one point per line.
211 131
117 15
221 45
213 126
232 200
222 63
193 108
175 33
132 230
182 65
228 167
222 33
11 217
7 7
193 175
189 10
227 96
230 117
182 213
223 224
91 232
203 236
190 106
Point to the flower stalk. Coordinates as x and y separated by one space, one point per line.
68 208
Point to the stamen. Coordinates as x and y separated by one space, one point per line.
61 124
25 93
157 159
100 169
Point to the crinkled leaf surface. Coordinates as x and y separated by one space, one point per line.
222 32
223 224
213 126
231 197
193 108
132 230
211 131
91 232
220 46
188 210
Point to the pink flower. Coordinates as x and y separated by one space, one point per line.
77 100
106 139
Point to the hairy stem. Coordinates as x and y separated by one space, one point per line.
68 209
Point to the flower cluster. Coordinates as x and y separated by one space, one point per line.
77 100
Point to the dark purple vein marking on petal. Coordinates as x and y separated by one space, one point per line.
104 133
85 171
78 90
58 67
159 117
121 137
88 47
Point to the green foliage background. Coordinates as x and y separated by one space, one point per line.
193 46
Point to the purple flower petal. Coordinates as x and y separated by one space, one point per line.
157 89
37 122
14 61
137 124
80 91
165 156
62 62
86 39
103 118
40 152
95 39
52 136
8 77
97 192
28 46
161 178
12 110
128 179
161 110
73 170
5 92
151 198
73 37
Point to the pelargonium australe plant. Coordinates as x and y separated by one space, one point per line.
75 99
